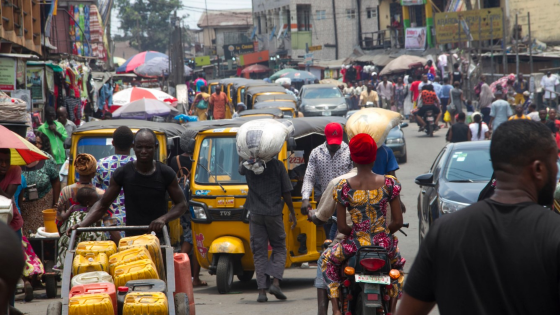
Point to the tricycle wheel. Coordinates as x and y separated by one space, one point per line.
182 304
55 308
224 273
246 276
50 280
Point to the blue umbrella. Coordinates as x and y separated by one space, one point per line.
299 75
138 60
157 67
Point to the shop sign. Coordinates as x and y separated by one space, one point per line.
415 38
35 79
315 48
235 50
252 58
308 59
7 74
447 29
412 2
202 61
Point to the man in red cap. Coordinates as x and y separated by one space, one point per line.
327 161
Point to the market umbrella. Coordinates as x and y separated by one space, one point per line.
144 109
132 94
299 75
118 61
157 67
255 69
403 63
22 151
277 74
138 60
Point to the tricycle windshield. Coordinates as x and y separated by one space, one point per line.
99 147
218 162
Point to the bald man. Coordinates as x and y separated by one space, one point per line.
70 127
11 265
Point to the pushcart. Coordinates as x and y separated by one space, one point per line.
48 253
178 304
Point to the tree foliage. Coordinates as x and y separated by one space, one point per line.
147 23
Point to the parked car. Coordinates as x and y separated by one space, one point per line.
395 140
322 100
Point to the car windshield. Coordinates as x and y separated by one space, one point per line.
218 162
99 147
333 92
469 166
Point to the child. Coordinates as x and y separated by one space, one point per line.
86 197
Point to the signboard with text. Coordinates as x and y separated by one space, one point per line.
235 50
412 2
252 58
315 48
415 38
7 74
308 59
36 83
447 25
202 61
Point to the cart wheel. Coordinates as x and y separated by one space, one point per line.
224 274
55 308
51 285
246 276
182 304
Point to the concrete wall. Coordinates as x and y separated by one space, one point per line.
263 5
544 17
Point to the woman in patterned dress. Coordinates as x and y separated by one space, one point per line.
366 197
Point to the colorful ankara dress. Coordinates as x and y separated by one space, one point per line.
368 209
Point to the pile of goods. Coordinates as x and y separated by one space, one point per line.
258 141
127 280
376 122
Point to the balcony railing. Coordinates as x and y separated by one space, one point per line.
383 39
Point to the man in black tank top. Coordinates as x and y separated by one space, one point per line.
459 132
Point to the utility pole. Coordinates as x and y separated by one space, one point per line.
335 31
530 47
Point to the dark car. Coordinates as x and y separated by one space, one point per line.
456 178
395 139
322 100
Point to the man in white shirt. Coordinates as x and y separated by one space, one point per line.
369 95
385 91
500 111
549 83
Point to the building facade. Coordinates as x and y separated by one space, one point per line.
287 27
221 28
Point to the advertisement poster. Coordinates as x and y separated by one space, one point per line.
234 50
20 71
24 95
447 25
7 74
36 83
415 38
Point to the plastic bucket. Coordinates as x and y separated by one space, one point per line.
49 217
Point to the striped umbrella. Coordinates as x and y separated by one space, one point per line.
133 94
22 151
138 60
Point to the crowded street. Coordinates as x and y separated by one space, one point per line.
298 283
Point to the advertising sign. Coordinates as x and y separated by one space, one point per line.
447 25
7 74
202 61
412 2
36 83
252 58
235 50
308 59
415 38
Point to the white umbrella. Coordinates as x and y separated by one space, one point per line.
133 94
144 109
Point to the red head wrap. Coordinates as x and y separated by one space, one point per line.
363 149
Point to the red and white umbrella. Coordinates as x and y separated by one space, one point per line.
133 94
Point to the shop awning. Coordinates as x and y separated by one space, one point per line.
23 56
378 60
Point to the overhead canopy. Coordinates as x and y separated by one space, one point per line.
378 60
170 129
275 104
264 89
303 127
403 63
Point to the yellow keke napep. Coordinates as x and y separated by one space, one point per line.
243 86
252 92
263 113
96 138
220 223
288 108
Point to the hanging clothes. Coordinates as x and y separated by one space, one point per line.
71 104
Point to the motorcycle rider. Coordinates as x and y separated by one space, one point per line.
430 101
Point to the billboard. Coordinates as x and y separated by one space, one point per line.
415 38
234 50
447 25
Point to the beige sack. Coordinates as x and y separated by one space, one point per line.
376 122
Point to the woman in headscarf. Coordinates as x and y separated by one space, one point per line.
86 166
366 196
485 100
43 185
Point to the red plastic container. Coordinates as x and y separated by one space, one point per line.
95 288
183 278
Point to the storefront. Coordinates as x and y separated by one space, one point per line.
418 15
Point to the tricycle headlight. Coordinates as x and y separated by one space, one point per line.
394 141
199 213
448 206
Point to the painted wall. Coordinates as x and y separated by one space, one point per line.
544 17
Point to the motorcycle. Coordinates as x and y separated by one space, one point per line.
431 123
368 277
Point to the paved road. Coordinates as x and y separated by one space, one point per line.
298 284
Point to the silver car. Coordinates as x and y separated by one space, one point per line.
322 100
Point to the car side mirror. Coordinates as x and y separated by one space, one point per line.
404 125
425 180
291 144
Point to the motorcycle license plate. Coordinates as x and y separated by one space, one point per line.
326 113
373 279
430 118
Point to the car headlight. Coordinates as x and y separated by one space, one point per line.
394 141
448 206
309 106
199 212
342 106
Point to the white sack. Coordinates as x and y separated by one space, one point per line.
376 122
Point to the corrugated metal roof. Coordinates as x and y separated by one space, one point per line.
226 18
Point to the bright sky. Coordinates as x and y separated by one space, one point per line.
194 10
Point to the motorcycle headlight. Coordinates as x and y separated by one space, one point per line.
394 141
448 206
199 213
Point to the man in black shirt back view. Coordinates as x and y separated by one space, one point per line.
500 255
459 131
